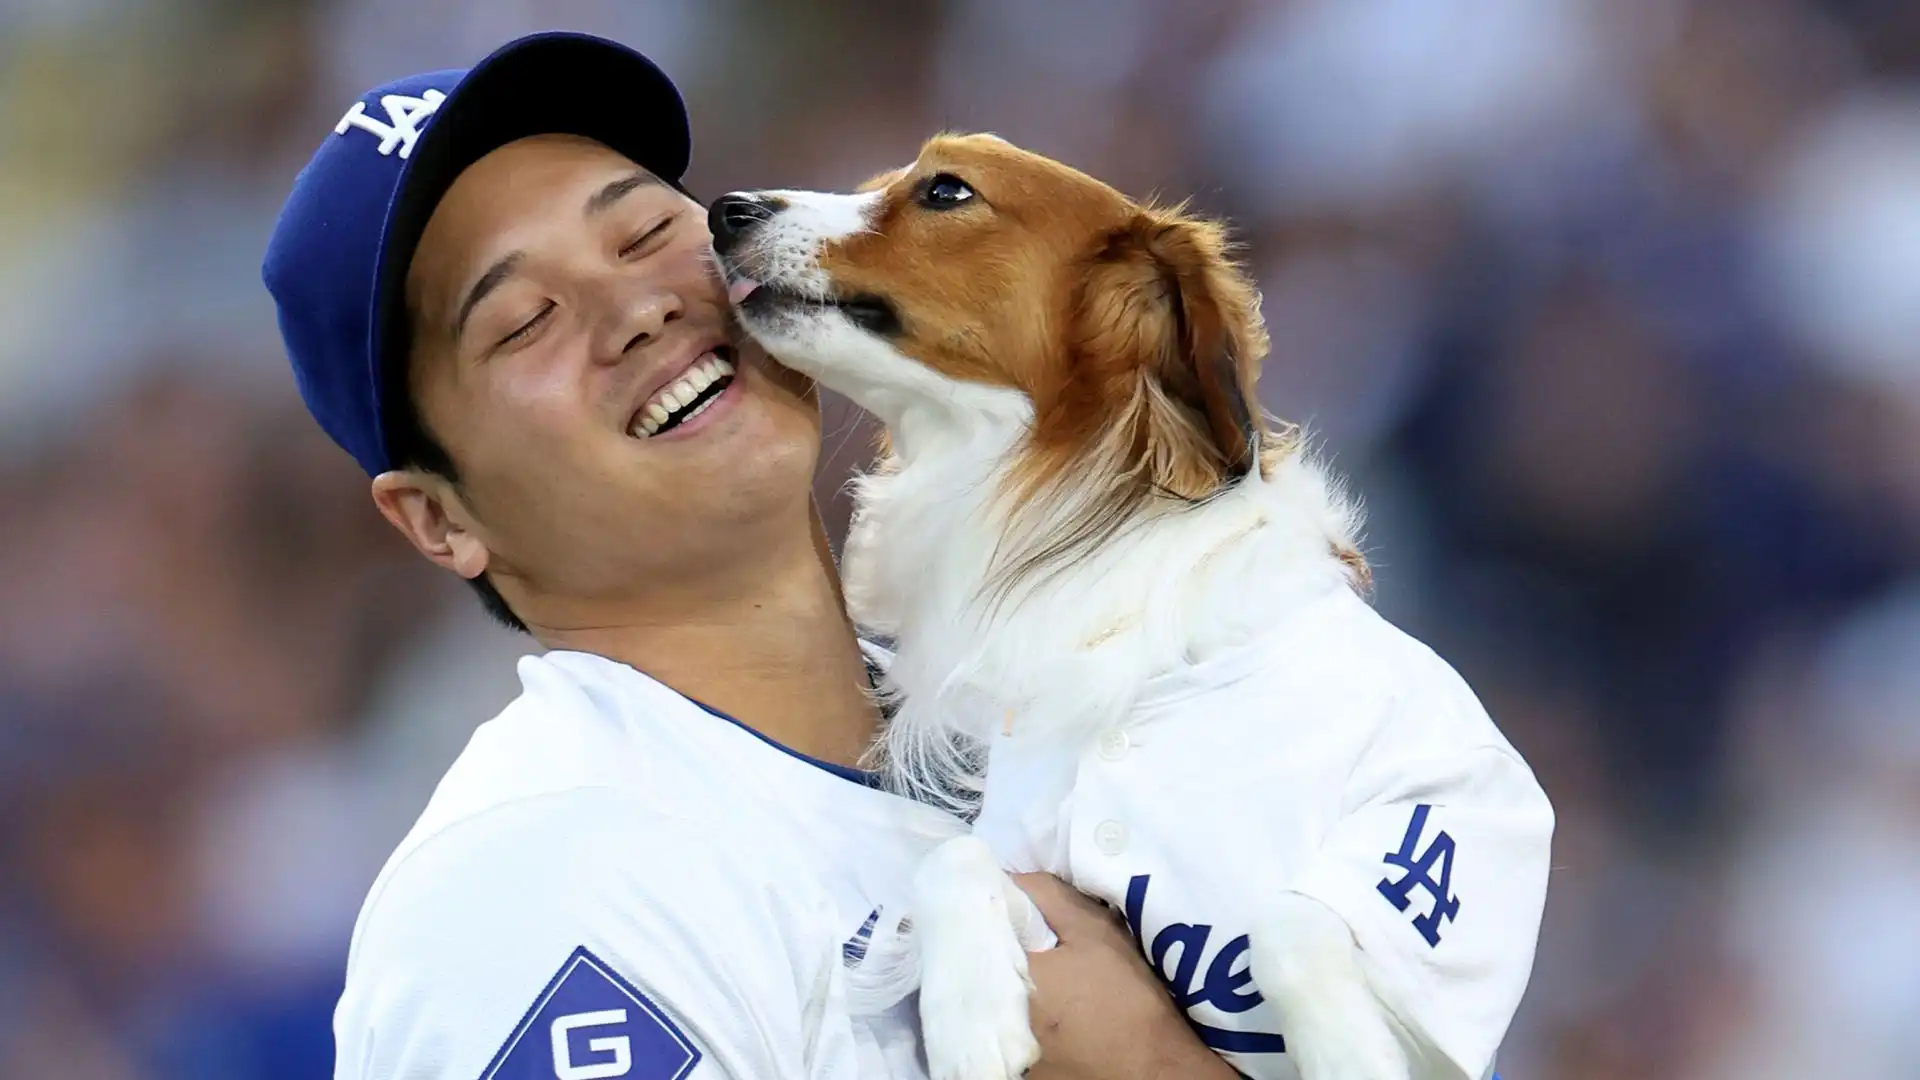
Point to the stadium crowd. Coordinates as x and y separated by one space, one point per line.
1610 308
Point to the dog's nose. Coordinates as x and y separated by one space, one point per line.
735 214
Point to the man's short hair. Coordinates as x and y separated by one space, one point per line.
414 447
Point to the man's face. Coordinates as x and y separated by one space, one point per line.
564 308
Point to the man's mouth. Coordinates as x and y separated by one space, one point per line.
686 397
871 313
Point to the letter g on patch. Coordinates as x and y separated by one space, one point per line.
589 1023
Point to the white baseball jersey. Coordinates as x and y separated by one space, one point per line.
1336 757
614 882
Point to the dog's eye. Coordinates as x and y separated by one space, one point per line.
944 191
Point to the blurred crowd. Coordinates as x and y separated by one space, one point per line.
1611 309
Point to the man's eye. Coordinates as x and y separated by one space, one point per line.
641 241
527 328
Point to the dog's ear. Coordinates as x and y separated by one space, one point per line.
1167 328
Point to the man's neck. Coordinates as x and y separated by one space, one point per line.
782 658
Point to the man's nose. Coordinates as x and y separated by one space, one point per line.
738 213
637 318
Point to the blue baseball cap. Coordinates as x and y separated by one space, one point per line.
337 262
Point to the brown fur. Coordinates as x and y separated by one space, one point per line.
1131 328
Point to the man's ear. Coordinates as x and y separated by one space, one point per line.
1164 302
429 512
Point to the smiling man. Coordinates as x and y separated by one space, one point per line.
660 860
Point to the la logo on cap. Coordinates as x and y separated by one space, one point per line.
404 116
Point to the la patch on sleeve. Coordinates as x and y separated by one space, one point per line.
591 1024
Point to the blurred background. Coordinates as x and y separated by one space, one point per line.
1610 307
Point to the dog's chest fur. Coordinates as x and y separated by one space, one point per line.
1070 651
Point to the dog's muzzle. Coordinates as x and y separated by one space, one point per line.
735 216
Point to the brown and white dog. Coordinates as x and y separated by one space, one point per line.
1079 504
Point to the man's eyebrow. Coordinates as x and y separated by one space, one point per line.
499 272
605 198
489 281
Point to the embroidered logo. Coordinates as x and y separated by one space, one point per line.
405 115
591 1024
1418 874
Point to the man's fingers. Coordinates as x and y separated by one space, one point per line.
1065 908
1051 893
1029 923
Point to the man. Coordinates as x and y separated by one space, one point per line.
660 861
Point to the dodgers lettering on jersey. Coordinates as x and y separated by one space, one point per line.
1336 758
1179 953
1207 977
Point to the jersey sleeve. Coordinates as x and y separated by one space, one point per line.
567 937
1439 865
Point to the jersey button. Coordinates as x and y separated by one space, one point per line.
1110 837
1114 745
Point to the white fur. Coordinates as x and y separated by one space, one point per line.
786 248
1067 655
975 928
1070 652
1305 961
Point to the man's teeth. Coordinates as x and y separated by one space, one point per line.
681 393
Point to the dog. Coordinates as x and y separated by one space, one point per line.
1132 643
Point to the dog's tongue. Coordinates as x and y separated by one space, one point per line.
741 288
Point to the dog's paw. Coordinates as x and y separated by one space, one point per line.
1306 963
973 1008
1364 1052
974 982
984 1037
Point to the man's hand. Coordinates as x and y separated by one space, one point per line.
1098 1011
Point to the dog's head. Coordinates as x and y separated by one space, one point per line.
985 279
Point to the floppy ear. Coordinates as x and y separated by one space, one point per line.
1167 327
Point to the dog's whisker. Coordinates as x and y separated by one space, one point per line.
1103 561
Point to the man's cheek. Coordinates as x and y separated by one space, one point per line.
789 380
537 401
